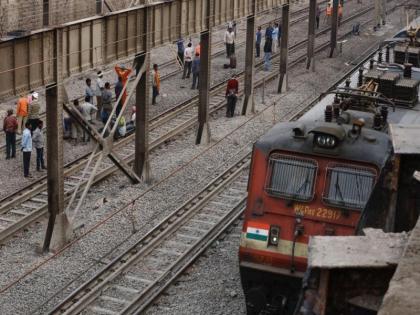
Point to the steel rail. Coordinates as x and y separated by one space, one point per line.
185 125
170 225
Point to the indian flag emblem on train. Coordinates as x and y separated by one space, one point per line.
257 231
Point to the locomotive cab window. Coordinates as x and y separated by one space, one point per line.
348 186
291 177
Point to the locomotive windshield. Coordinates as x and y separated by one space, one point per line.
290 177
348 186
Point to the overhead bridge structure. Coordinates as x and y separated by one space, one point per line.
28 62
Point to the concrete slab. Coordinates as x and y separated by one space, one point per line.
376 249
405 138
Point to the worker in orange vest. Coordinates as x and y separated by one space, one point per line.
197 49
328 13
340 13
22 112
123 73
155 83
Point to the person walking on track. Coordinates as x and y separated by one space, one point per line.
188 57
26 148
232 90
196 72
258 37
33 111
155 83
38 142
98 91
267 53
124 74
180 50
22 112
10 126
229 40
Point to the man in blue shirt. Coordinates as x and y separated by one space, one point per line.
26 147
258 41
269 31
196 71
181 48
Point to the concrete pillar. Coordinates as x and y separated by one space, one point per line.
249 63
203 131
58 228
334 28
284 48
310 62
99 6
141 161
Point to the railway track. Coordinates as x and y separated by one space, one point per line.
172 63
30 204
164 252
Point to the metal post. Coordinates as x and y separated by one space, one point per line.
334 28
311 35
249 63
284 48
141 161
204 80
58 226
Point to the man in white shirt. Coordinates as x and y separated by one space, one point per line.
86 110
275 38
229 40
188 57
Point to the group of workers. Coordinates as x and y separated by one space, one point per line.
189 58
98 103
25 123
272 42
329 12
100 100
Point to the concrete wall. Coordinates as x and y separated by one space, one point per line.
27 14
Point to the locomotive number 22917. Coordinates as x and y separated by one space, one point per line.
323 213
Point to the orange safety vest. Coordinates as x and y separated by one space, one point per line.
156 79
22 107
198 49
124 74
329 10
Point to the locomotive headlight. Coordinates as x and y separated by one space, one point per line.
274 235
325 141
